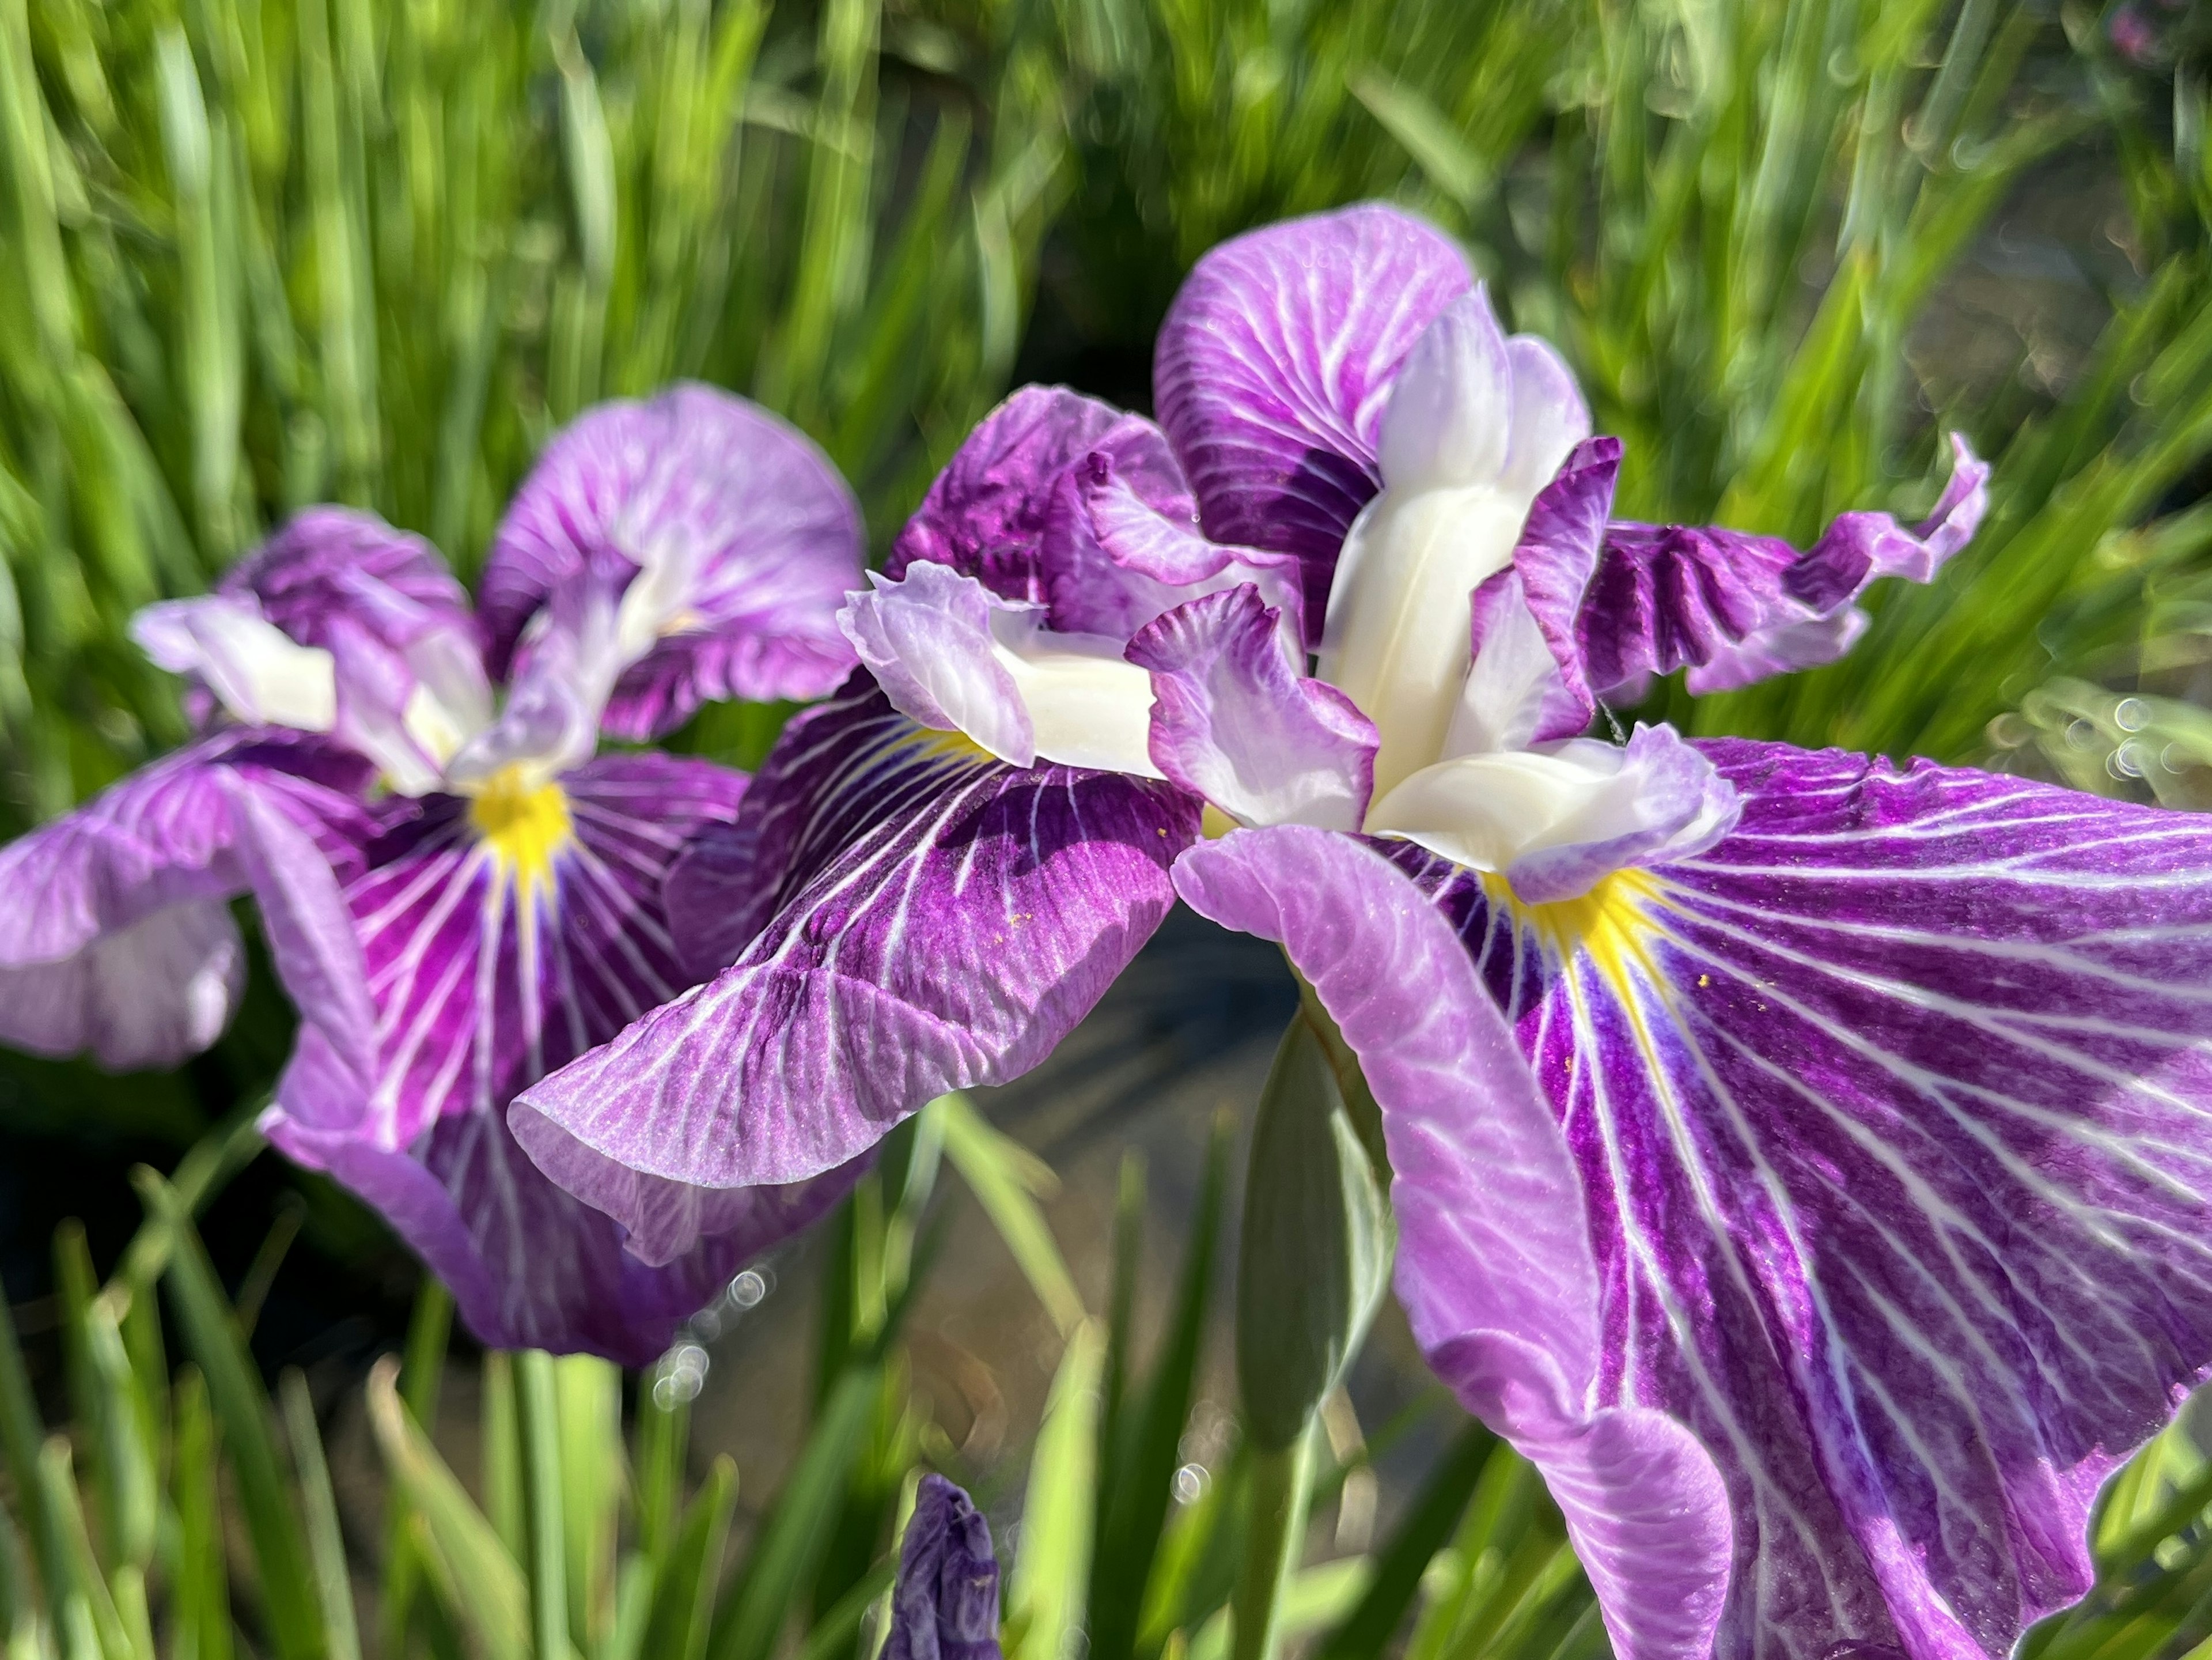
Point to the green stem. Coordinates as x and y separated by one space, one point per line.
541 1434
1275 1530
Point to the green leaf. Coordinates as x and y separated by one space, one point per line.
1428 1523
333 1580
1007 1181
1045 1592
481 1586
685 1586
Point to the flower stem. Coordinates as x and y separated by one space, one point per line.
1276 1529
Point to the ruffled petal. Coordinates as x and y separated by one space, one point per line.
944 1605
1495 1267
996 512
1891 1111
938 920
1237 721
1272 370
114 931
730 537
927 639
1526 684
1731 607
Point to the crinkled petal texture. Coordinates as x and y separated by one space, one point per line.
1732 608
941 920
946 1603
115 931
500 937
1496 1264
1275 364
732 536
1890 1113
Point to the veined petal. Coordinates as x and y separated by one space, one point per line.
114 934
1527 683
505 935
531 1266
1237 721
990 514
729 536
944 1605
1273 367
1891 1112
941 921
1496 1266
1732 607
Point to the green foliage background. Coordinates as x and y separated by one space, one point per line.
256 253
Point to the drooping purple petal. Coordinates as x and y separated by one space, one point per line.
729 536
504 935
1526 684
989 514
1495 1261
532 1266
941 920
1272 370
1236 722
928 639
944 1604
114 934
1731 607
1891 1113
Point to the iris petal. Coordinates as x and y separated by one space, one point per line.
1272 367
730 534
938 919
1495 1267
1892 1114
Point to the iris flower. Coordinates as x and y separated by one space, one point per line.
458 892
1801 1158
944 1605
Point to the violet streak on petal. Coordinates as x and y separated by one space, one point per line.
989 513
1495 1264
944 1603
1732 607
941 920
1236 722
728 535
1271 369
1890 1110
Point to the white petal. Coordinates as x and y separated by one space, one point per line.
255 669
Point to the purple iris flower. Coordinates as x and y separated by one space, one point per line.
945 1604
1803 1160
458 892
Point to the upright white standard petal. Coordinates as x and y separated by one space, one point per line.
1476 425
259 675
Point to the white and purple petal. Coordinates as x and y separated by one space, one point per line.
115 935
1496 1264
927 638
729 536
991 513
1273 366
1237 721
1893 1117
938 920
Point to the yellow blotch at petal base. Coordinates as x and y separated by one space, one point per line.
1610 925
525 828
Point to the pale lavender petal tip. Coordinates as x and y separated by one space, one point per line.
944 1603
724 527
1682 807
928 639
1236 722
1273 369
1495 1265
